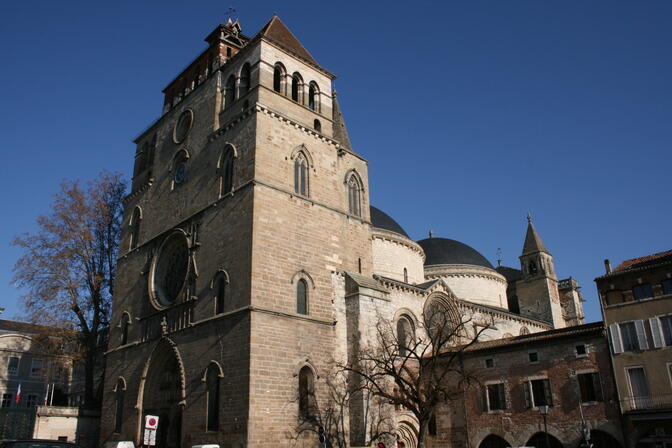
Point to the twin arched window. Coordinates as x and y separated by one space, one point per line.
124 324
297 88
307 402
314 97
230 91
301 174
244 79
212 380
354 196
302 297
279 78
135 228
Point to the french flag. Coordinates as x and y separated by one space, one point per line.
18 394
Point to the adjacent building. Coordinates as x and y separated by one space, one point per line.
636 300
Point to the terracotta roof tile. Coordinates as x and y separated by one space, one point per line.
645 260
276 31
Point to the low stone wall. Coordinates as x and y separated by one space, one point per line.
67 423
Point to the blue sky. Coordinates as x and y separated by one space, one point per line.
471 113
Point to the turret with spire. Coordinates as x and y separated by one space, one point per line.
538 290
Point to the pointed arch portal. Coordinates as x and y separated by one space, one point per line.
163 392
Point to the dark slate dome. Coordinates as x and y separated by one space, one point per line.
382 220
446 251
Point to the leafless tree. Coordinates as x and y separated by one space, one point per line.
420 369
68 267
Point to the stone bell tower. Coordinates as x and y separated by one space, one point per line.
538 289
246 197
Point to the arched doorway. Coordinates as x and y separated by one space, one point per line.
493 441
407 434
539 441
163 394
601 439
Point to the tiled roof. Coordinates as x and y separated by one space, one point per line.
14 326
646 260
276 31
594 327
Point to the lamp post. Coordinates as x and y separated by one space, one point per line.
543 410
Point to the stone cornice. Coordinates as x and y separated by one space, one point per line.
135 193
387 235
503 314
463 270
394 284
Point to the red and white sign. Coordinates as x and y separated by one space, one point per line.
151 422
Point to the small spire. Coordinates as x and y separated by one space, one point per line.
431 234
533 241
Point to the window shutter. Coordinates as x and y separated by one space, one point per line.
597 386
528 399
655 332
641 335
616 344
547 392
502 397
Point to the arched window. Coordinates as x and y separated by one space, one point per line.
230 94
405 275
532 267
301 175
302 297
135 227
226 169
443 323
244 79
219 289
307 404
297 88
180 168
279 78
119 393
405 336
524 330
125 323
317 125
314 97
354 196
212 384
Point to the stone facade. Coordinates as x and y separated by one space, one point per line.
250 260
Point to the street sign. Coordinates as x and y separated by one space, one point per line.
150 437
151 422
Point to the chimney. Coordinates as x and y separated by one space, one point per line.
607 266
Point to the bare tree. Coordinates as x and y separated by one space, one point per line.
420 369
69 264
329 416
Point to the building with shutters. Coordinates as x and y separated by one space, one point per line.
636 300
251 258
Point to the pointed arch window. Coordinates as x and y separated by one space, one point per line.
226 169
307 403
136 218
314 97
302 297
230 91
297 88
301 175
219 289
244 79
212 382
354 196
278 77
180 168
119 393
125 324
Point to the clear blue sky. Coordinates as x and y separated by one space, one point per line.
470 113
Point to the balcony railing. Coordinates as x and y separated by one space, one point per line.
646 403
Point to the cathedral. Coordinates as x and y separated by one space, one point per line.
251 255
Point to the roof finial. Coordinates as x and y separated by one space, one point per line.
499 256
529 217
431 234
229 12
